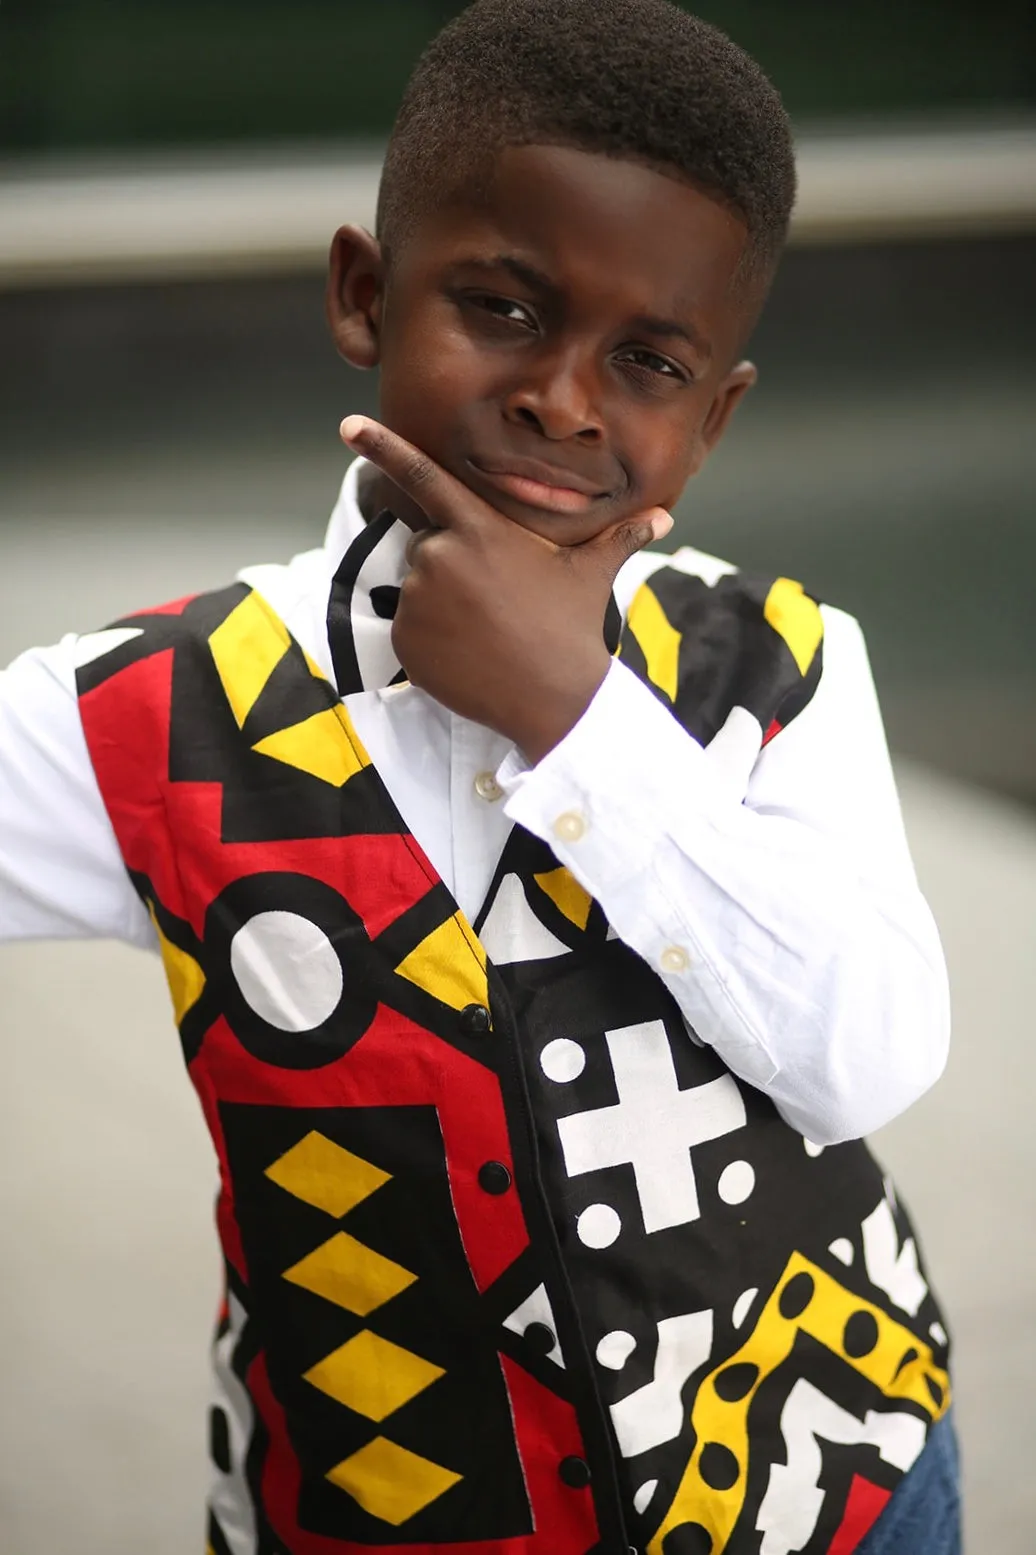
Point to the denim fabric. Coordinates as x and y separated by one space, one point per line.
923 1517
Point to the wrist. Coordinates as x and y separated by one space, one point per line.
553 716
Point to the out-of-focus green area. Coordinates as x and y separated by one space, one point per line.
120 73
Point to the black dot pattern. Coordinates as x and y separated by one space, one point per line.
736 1381
219 1439
861 1334
688 1539
935 1389
796 1295
718 1466
385 600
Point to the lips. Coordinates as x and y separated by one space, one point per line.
539 485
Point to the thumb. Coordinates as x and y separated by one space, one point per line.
617 544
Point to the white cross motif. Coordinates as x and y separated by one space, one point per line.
653 1126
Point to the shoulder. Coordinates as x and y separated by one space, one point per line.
687 560
703 571
713 637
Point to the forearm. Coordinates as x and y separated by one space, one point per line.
820 986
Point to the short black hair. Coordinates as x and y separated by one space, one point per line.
629 78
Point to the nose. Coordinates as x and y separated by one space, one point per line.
558 398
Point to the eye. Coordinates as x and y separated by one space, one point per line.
504 308
645 362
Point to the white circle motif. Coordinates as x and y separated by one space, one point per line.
598 1226
562 1060
842 1249
615 1349
736 1182
287 970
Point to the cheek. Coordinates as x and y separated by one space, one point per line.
667 454
431 360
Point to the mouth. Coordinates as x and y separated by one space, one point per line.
538 485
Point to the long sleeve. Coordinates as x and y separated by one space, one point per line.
772 890
61 872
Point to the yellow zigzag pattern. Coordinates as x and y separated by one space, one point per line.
825 1316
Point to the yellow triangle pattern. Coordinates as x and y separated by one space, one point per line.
325 1175
391 1483
796 618
320 745
567 895
372 1376
247 647
351 1275
659 641
183 974
450 964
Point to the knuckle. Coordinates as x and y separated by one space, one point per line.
631 538
420 471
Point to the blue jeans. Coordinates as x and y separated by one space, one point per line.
923 1517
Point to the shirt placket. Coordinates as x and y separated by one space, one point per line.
478 821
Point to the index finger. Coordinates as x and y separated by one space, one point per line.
445 501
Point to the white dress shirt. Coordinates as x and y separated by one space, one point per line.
771 888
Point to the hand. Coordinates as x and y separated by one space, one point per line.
495 622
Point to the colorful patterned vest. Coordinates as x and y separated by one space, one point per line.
514 1265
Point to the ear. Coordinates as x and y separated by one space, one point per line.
355 292
728 397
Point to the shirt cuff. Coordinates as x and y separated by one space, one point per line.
607 800
597 793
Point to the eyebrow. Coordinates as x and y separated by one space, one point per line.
537 281
669 329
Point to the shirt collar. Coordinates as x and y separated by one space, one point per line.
369 564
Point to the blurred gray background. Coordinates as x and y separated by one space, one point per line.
168 412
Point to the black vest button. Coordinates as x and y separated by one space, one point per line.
475 1020
574 1472
494 1177
540 1339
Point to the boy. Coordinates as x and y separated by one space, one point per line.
536 910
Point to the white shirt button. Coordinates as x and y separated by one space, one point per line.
570 826
674 959
487 787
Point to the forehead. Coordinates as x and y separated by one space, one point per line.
601 226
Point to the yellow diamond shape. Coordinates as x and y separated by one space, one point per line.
353 1276
567 895
391 1483
325 1175
372 1375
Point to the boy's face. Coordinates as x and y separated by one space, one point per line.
564 343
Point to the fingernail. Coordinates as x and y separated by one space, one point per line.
661 525
351 427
